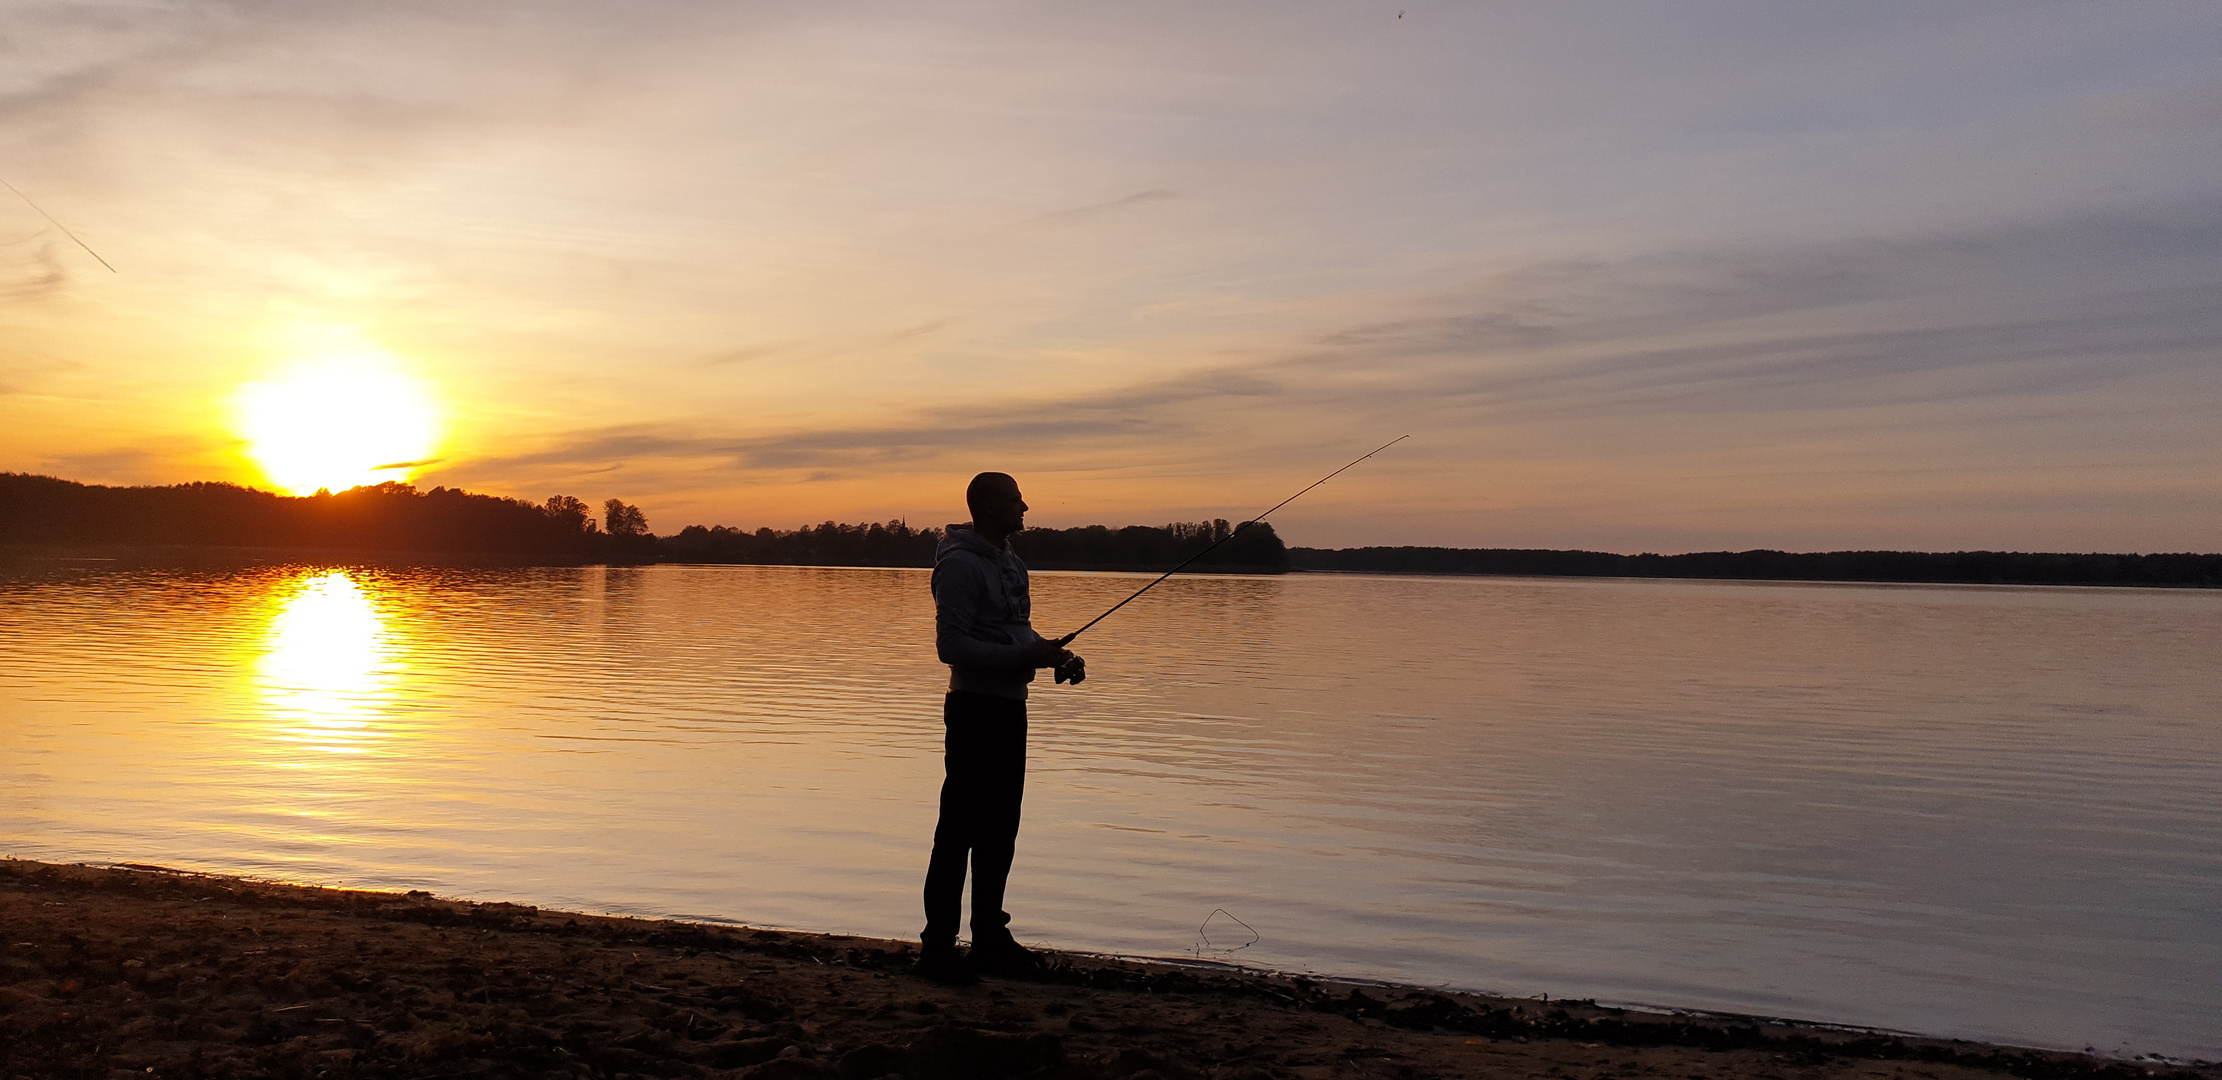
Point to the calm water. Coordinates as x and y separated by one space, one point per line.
1971 811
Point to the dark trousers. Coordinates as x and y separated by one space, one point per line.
984 756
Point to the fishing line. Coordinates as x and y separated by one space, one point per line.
49 217
1203 933
1067 639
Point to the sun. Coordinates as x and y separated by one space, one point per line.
344 416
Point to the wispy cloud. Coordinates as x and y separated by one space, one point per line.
2020 308
1095 211
1140 413
148 462
41 274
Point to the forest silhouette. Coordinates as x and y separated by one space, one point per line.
1255 550
396 519
47 512
44 514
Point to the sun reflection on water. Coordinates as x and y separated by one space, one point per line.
328 666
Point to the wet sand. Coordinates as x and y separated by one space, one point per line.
106 972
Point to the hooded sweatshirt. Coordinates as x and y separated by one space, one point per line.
982 615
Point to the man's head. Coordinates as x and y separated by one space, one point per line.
997 509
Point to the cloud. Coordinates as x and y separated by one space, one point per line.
151 462
45 277
1104 209
2014 309
744 355
1146 412
26 369
918 330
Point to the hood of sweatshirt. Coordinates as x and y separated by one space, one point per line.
962 538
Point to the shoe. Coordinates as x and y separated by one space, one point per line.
942 963
1006 957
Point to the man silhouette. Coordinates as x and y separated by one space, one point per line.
983 631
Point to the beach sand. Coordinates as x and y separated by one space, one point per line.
107 972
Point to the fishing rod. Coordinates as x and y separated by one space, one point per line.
1209 548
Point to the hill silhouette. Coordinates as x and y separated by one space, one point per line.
44 511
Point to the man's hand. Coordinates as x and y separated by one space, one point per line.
1073 670
1045 653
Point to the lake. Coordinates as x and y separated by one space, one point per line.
1974 811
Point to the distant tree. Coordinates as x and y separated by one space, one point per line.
621 519
569 511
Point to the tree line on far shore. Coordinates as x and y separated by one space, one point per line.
1093 547
397 520
1923 567
43 511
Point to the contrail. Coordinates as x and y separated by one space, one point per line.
65 229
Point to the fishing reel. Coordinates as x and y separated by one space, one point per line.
1072 671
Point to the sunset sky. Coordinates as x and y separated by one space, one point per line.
1634 277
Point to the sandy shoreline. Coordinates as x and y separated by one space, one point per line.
108 971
